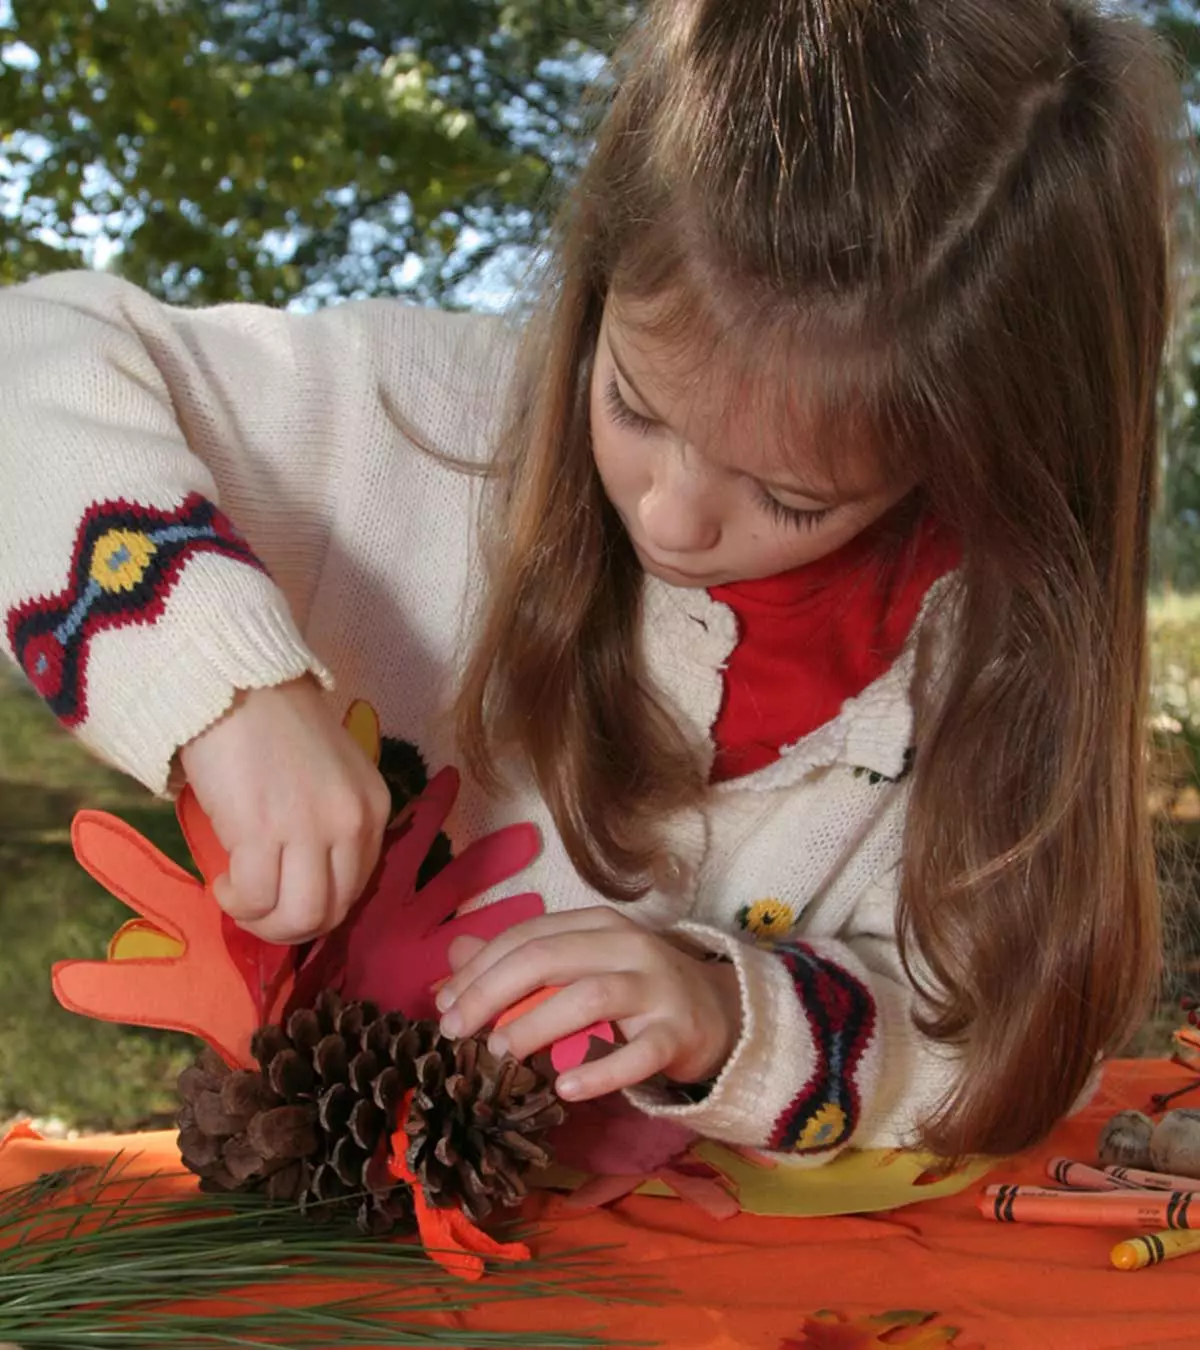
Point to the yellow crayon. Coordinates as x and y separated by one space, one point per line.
1149 1250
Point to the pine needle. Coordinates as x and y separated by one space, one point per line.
94 1258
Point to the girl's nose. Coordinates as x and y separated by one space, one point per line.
680 512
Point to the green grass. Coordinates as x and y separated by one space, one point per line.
53 1063
97 1076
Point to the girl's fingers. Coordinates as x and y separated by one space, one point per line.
462 949
305 883
647 1054
348 874
557 960
594 919
249 891
595 998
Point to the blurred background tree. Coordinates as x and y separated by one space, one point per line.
270 149
306 151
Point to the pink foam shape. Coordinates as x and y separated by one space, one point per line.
608 1137
400 972
703 1192
394 946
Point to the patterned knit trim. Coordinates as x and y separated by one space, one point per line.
841 1017
126 561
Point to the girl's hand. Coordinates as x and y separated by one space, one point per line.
679 1015
296 804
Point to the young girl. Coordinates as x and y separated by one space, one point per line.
789 569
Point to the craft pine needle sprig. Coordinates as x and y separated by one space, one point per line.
95 1258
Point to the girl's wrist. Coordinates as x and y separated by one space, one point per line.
722 979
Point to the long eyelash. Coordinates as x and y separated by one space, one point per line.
622 413
793 515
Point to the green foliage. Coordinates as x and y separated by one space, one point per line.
53 1063
1175 678
1176 543
246 150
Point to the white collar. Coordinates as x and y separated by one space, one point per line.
688 638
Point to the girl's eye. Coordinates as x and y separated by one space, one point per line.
623 414
793 515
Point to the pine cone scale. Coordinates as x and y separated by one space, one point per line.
212 1117
331 1059
284 1132
335 1108
241 1159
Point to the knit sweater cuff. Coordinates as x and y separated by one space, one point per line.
806 1063
154 688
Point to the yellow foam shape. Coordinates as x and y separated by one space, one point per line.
140 940
362 722
856 1182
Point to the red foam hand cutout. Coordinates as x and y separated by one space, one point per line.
267 968
394 946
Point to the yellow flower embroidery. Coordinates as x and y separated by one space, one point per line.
826 1128
120 559
769 918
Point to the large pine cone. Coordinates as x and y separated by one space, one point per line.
313 1122
477 1124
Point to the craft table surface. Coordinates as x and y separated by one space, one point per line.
750 1283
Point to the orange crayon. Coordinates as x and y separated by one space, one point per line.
1080 1177
1090 1209
1152 1181
1153 1248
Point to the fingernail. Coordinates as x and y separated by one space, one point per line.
567 1086
498 1044
444 999
452 1025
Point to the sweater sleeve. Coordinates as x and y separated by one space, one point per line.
828 1055
167 486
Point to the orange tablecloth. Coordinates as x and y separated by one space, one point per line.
751 1283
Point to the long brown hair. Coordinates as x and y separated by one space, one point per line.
958 215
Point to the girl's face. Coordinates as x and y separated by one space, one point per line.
706 496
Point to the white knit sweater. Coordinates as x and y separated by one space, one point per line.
124 421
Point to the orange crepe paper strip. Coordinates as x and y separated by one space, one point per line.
447 1234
